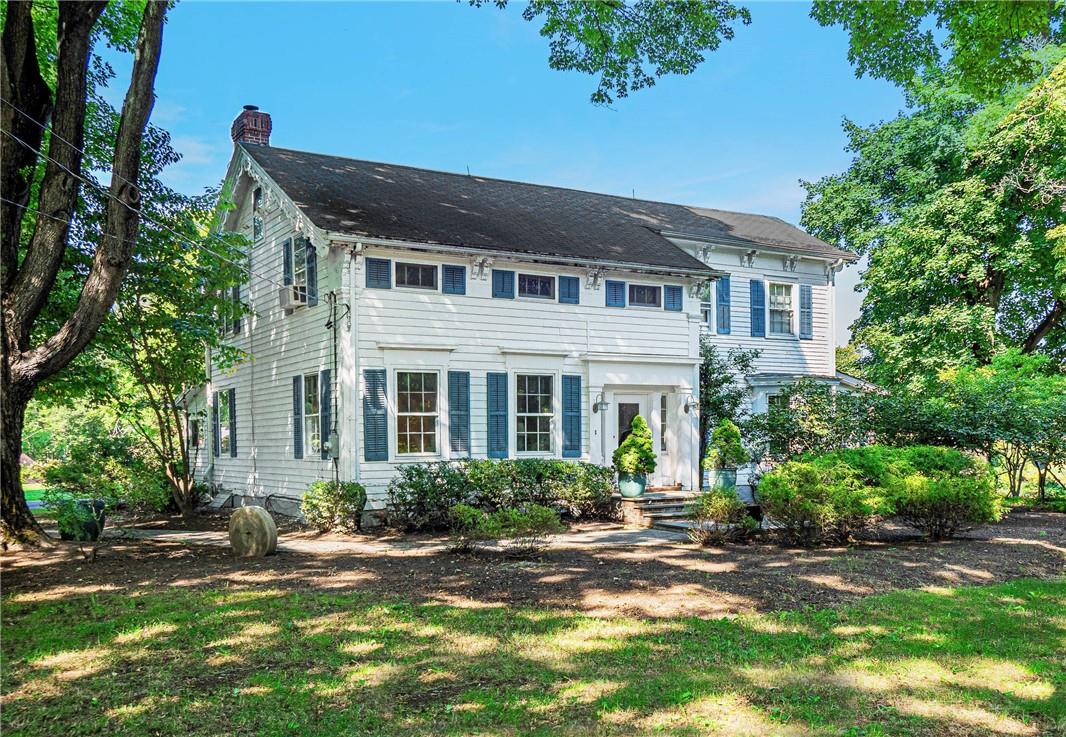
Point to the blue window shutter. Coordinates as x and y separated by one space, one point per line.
722 293
216 428
325 410
297 417
233 423
572 403
806 313
453 279
502 284
286 262
616 293
758 309
379 273
312 269
497 415
459 412
375 417
569 290
673 298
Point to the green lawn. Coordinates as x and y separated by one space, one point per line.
33 491
980 660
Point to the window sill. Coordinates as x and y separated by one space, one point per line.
782 336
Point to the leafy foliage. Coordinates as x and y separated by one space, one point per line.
991 46
726 449
959 206
942 505
331 505
629 45
421 495
636 454
526 530
724 393
819 503
719 516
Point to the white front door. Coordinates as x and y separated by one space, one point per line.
628 406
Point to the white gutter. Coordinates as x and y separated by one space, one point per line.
345 238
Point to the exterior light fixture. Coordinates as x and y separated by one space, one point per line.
601 404
691 404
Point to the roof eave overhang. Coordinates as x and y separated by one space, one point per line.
744 243
473 252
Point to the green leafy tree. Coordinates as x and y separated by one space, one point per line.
41 180
630 44
990 47
724 391
958 206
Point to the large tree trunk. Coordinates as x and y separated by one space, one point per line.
27 285
18 525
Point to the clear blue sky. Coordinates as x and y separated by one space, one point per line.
447 86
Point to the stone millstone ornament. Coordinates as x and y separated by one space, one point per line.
252 533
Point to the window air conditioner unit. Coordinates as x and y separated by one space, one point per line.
291 297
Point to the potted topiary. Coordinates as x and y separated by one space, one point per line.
725 454
634 459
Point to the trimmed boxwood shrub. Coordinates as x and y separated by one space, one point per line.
331 505
421 495
720 516
819 503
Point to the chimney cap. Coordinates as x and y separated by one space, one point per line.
251 107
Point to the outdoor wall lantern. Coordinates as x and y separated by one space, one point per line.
691 404
601 404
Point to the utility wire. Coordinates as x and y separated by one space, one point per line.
103 190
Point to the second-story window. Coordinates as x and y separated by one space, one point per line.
532 285
299 271
419 276
643 295
706 304
780 309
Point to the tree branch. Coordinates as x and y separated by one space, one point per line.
1058 311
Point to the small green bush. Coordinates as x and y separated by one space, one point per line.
720 516
726 450
636 454
585 491
331 505
945 504
814 504
526 531
421 495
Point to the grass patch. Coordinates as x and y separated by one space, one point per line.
972 660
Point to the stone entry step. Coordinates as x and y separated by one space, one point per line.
655 507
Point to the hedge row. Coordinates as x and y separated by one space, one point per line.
422 495
830 497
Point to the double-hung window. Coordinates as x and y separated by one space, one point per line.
417 412
535 411
417 276
706 305
645 295
780 309
222 402
312 416
299 270
533 285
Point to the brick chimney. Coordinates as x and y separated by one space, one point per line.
251 126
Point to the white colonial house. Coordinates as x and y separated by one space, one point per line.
403 315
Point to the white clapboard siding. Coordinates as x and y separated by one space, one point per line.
278 346
488 334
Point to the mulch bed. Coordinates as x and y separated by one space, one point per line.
650 581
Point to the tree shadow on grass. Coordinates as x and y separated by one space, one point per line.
970 661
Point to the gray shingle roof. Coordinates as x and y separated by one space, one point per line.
366 198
